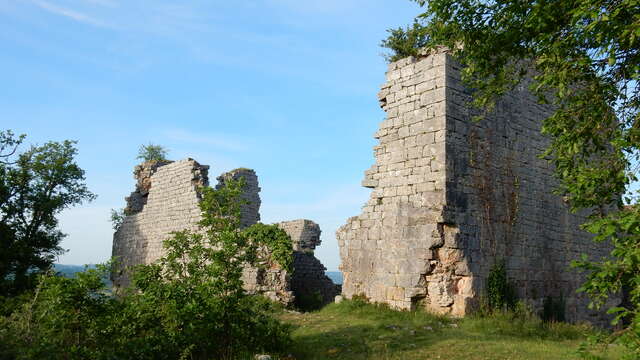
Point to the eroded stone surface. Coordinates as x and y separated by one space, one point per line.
250 210
452 196
309 275
305 232
171 199
167 199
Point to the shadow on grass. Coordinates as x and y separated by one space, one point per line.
354 331
364 342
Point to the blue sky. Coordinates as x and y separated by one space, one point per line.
282 86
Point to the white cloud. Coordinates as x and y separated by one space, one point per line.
107 3
70 14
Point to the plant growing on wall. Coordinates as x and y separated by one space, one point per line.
117 217
152 152
500 292
276 241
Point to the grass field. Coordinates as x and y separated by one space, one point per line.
357 330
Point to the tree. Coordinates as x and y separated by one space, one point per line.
152 152
583 56
35 186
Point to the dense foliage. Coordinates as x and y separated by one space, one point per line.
405 42
152 152
275 241
64 319
583 57
190 304
35 186
196 289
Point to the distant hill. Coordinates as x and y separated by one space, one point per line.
71 270
336 276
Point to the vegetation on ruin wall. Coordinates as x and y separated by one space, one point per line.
256 237
152 152
190 304
584 58
277 242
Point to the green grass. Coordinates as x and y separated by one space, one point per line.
357 330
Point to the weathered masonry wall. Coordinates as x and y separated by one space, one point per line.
389 253
309 276
250 210
451 197
167 199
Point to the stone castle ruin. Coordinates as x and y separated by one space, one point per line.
452 197
166 199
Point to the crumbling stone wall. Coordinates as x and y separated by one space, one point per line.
452 196
250 210
305 232
167 199
309 276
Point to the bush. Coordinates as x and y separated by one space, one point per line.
65 319
188 304
405 42
553 309
152 152
500 292
309 302
279 248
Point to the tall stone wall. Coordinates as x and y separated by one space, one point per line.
167 198
451 197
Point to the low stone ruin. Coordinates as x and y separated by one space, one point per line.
306 280
166 199
452 197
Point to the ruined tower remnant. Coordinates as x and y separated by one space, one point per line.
250 210
167 198
452 196
309 278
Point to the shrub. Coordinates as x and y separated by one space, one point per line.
405 42
152 152
188 304
67 318
500 292
191 302
117 217
277 242
309 302
553 309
